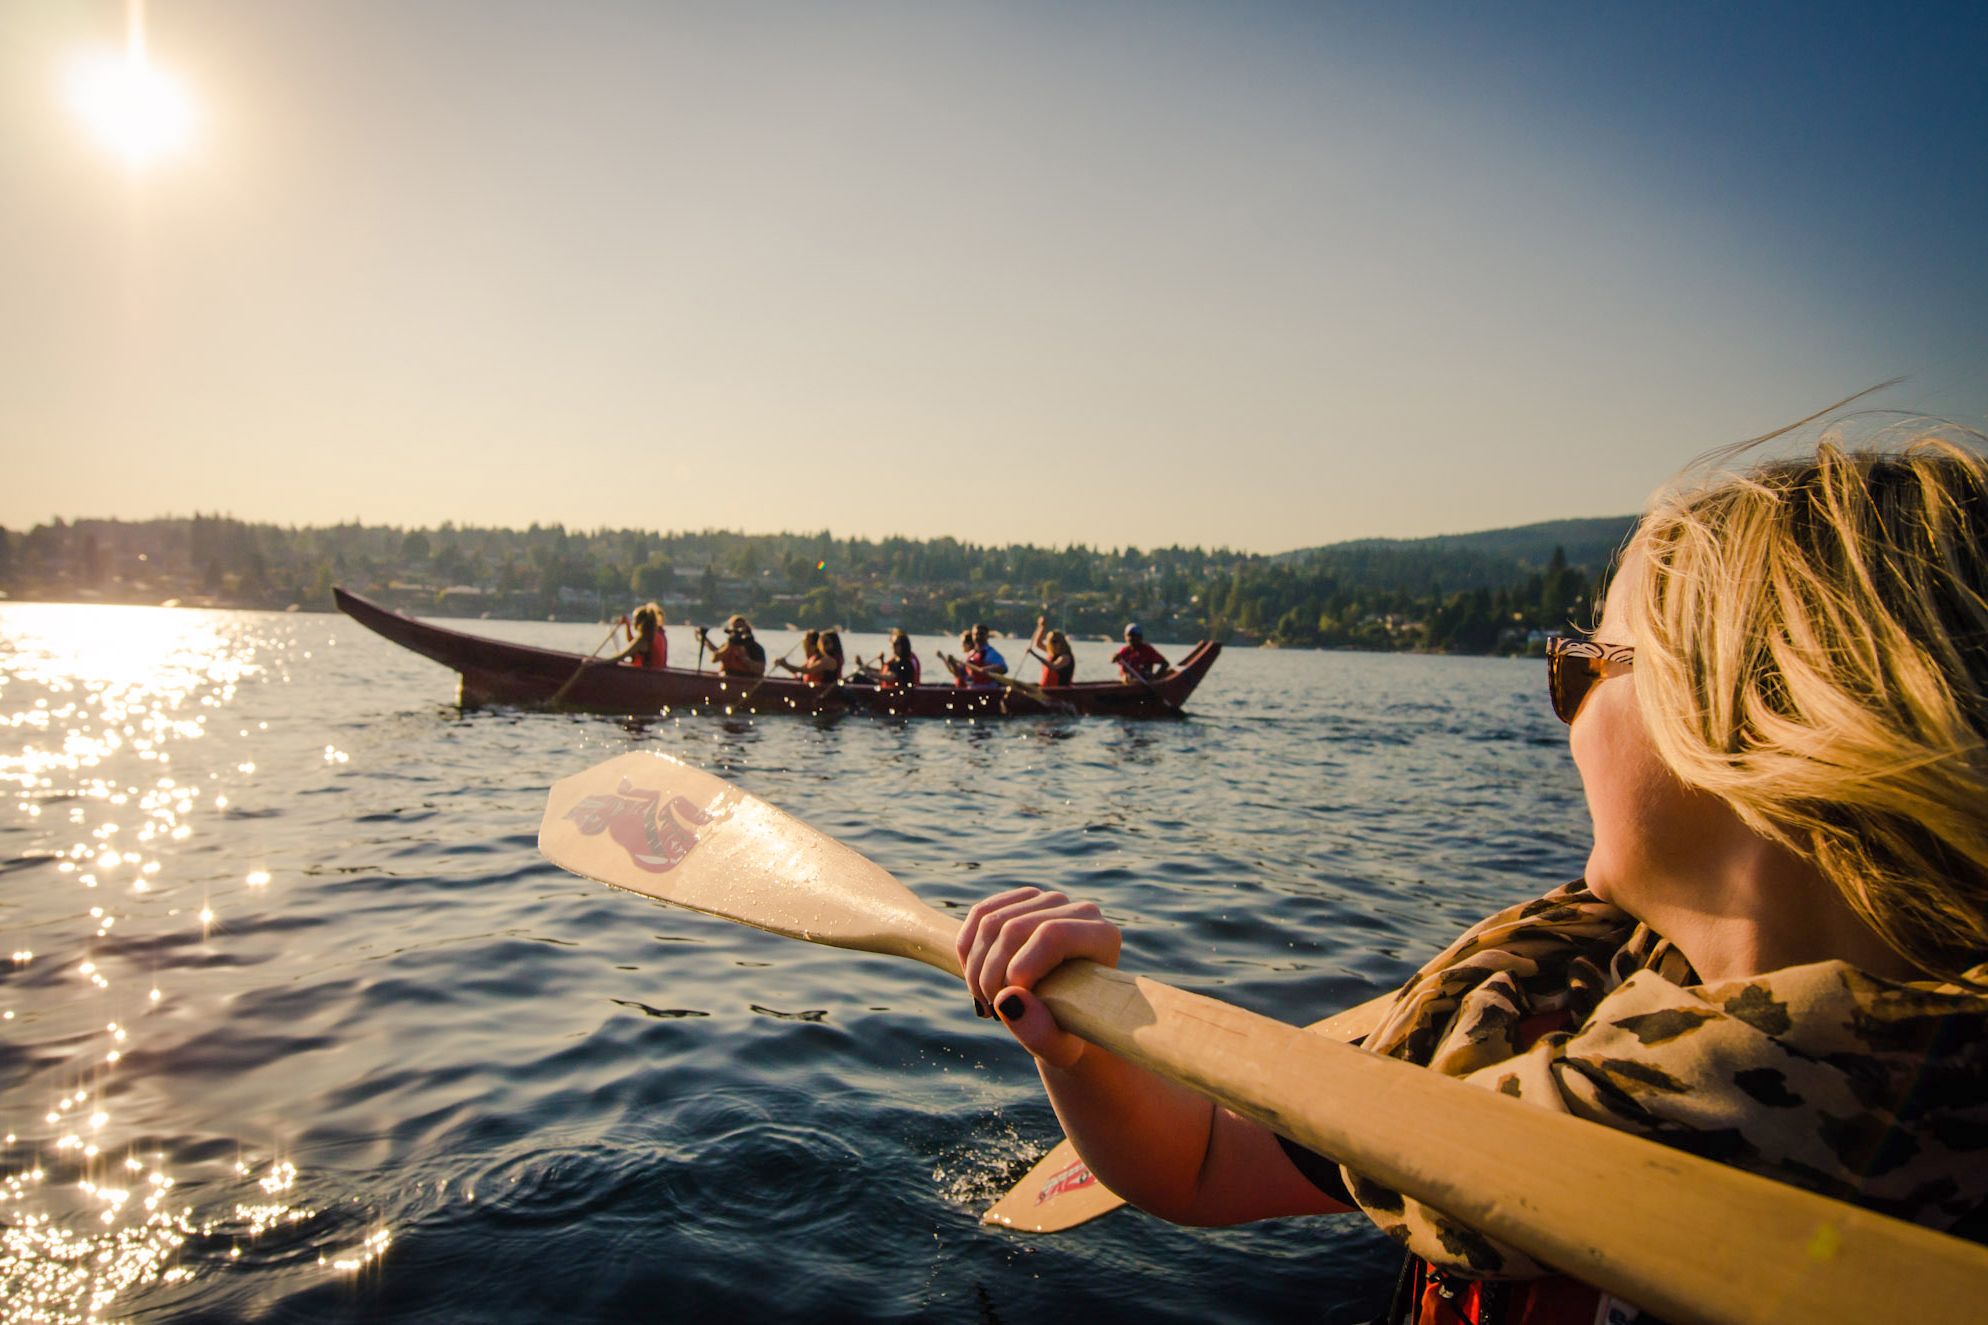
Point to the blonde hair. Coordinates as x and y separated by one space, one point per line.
1812 648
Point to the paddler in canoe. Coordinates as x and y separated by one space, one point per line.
647 645
1775 958
899 667
896 668
1138 661
980 665
1059 664
821 658
740 654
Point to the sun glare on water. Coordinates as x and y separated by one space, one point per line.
131 106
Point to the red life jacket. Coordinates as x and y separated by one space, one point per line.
1059 676
1428 1296
976 680
656 655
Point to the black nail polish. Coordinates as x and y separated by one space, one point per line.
1011 1007
980 1009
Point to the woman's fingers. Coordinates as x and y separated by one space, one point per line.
977 914
983 957
1030 1022
1066 932
1011 940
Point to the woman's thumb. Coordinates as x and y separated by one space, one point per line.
1028 1019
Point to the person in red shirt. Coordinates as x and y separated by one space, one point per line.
647 647
1138 660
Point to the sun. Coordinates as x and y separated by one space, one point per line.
132 107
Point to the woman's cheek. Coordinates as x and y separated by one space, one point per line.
1615 762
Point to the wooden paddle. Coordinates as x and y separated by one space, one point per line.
1044 661
1029 688
560 693
1147 682
1061 1192
1679 1236
764 676
704 642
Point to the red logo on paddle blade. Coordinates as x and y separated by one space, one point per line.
1071 1177
652 836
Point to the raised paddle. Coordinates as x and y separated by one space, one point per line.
560 693
1679 1236
1060 1191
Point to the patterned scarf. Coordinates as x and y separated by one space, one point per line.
1871 1091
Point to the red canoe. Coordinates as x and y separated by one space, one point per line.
494 672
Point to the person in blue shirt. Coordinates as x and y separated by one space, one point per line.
985 656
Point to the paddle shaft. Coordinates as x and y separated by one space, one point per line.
753 689
1060 1192
1034 692
704 642
1677 1235
1145 681
560 693
1603 1206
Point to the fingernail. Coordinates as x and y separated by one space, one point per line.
980 1009
1011 1007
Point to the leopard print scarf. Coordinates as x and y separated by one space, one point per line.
1867 1090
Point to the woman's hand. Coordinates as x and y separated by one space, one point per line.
1012 940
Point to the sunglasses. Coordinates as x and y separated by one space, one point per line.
1574 664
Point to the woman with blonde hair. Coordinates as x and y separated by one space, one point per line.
647 645
1059 664
1778 954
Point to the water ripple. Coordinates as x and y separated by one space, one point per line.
299 1026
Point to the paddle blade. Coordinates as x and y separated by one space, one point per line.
1059 1192
656 826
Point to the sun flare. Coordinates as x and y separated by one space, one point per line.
132 107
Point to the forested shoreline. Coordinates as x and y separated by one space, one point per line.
1492 592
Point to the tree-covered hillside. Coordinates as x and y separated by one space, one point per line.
1493 591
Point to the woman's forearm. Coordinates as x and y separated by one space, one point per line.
1144 1137
1171 1152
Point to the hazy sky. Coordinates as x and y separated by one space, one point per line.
1261 275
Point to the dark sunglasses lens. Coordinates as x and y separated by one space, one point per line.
1569 677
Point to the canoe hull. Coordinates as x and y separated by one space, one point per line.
497 673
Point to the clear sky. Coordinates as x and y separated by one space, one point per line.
1244 274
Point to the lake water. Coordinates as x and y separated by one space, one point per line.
295 1023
